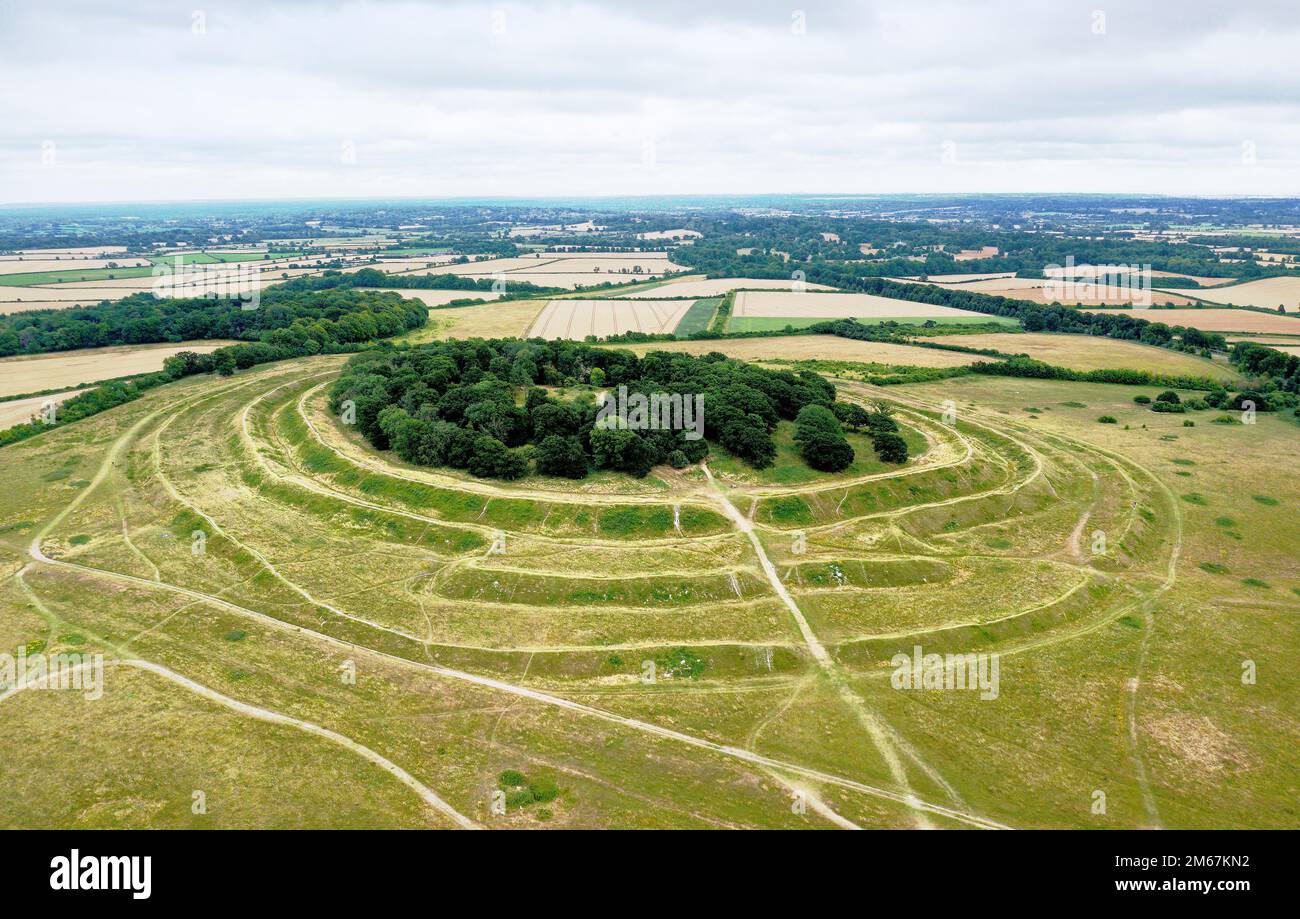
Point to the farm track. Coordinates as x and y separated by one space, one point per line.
259 444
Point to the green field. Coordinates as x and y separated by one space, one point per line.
61 277
698 317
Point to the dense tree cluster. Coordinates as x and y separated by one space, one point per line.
1268 363
458 404
291 321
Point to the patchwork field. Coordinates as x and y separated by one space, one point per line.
13 265
39 372
713 287
1269 293
576 319
816 347
267 590
764 310
1090 352
505 319
1038 290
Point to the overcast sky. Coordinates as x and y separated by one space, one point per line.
275 98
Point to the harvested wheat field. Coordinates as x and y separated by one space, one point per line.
815 347
865 307
1224 320
506 319
1268 294
979 283
716 287
1093 352
73 368
970 255
1089 295
574 320
74 252
20 411
27 265
432 264
438 297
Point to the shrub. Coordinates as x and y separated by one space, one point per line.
1142 400
1168 396
562 456
890 448
1108 419
821 440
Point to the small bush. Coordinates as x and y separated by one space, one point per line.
1142 400
1108 419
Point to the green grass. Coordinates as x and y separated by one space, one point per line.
789 468
698 317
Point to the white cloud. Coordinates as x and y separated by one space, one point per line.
639 98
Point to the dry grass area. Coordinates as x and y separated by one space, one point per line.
716 287
1268 293
507 319
1091 352
1224 320
779 304
670 234
970 255
37 372
576 319
816 347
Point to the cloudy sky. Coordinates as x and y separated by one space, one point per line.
279 98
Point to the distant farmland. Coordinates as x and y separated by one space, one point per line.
766 310
576 319
1224 320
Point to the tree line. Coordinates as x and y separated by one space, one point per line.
286 317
